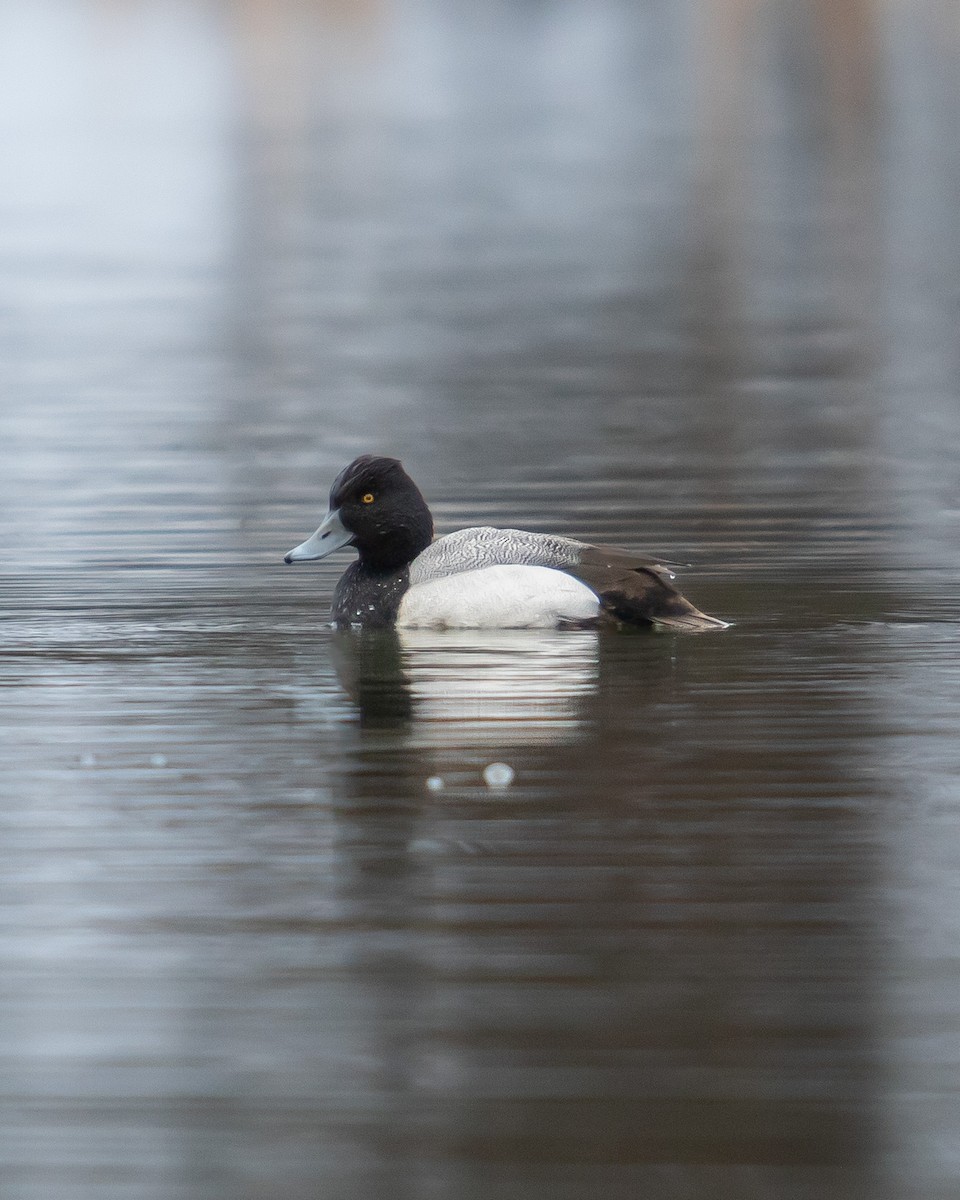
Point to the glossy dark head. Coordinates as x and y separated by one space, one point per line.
376 507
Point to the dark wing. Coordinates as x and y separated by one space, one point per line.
638 590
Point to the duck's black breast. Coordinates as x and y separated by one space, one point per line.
367 597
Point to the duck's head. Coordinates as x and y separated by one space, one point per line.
376 507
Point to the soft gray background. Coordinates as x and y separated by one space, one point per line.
681 276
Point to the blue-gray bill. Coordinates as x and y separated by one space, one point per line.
330 536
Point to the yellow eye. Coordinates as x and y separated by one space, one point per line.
367 497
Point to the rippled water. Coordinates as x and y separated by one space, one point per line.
683 278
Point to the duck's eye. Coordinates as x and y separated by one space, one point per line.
367 498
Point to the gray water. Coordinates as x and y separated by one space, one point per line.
681 277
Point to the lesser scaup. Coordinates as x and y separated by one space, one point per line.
482 577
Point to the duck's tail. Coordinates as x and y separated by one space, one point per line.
662 606
641 592
693 621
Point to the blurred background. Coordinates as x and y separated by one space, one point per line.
682 275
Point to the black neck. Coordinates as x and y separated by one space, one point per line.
399 546
370 598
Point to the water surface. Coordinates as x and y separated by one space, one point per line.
648 275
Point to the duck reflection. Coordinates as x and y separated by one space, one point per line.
518 687
369 665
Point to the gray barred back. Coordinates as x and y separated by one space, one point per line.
484 546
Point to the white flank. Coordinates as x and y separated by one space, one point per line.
502 597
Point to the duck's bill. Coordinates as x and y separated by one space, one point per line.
329 537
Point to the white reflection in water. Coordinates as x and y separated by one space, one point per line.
520 686
496 688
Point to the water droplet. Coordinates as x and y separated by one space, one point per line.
498 775
435 784
158 760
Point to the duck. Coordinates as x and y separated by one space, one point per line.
481 577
